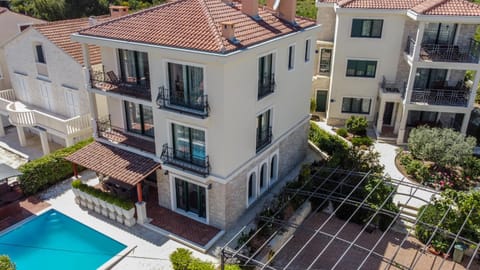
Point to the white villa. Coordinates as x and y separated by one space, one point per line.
215 92
49 96
12 24
398 63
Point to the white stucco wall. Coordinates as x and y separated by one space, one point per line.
64 74
384 50
9 25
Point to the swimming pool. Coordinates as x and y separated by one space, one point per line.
55 241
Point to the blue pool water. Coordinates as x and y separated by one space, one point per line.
54 241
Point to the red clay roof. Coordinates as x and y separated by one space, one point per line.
117 163
59 32
425 7
195 24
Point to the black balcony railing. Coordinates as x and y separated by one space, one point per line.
393 87
119 135
266 85
108 81
264 138
185 160
446 52
441 97
193 106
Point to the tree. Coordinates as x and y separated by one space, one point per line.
6 263
445 147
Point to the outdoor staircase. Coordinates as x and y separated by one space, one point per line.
408 216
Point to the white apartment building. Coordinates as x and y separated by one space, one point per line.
215 91
49 96
11 24
398 63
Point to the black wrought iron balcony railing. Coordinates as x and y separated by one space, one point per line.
266 85
184 160
393 87
196 106
264 138
446 52
107 131
441 97
109 82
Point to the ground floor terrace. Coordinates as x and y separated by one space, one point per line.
134 177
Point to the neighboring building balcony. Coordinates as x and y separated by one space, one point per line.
264 138
446 52
266 85
196 163
393 91
195 106
110 83
118 135
6 97
23 115
441 97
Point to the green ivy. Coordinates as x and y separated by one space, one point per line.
48 170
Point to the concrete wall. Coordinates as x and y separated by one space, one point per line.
65 75
10 22
326 18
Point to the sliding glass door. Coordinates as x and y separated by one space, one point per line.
190 197
134 67
139 119
189 144
186 85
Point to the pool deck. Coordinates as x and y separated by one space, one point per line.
15 212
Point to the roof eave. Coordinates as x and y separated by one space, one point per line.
443 18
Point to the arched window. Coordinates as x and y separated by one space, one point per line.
251 187
273 169
263 176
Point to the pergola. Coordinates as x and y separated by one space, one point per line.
123 166
329 245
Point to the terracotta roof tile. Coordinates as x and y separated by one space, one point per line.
195 24
117 163
59 32
426 7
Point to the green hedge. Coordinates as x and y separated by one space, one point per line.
329 143
105 196
6 263
359 141
182 259
48 170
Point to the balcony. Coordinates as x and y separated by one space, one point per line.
198 164
6 97
394 91
169 101
30 116
266 85
446 52
118 135
109 82
264 138
441 97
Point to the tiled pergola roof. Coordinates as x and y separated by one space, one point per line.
125 166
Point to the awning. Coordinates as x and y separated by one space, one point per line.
8 172
114 162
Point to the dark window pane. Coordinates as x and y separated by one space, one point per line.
40 56
356 28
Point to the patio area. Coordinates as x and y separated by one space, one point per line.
15 212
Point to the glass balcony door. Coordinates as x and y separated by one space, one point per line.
430 78
186 85
134 67
440 33
189 144
190 197
139 119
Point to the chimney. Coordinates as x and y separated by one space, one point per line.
118 11
287 10
228 31
250 7
92 21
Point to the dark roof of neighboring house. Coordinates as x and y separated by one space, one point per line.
59 33
196 25
425 7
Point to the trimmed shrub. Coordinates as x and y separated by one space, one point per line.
182 259
359 141
48 170
357 125
342 132
444 147
197 264
313 105
105 196
6 263
329 143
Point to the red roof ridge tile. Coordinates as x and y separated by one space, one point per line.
344 2
212 25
